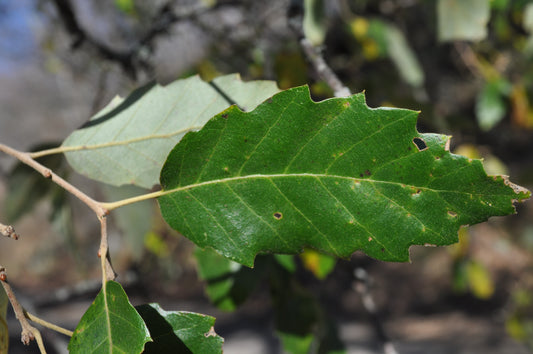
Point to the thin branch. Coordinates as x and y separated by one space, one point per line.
8 231
103 252
114 205
29 332
474 63
97 207
47 173
362 287
47 324
314 54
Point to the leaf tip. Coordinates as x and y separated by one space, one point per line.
522 193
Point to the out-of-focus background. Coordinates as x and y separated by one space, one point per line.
466 65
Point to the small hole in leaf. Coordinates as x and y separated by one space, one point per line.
420 144
278 215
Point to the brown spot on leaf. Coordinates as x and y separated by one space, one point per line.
278 215
211 333
452 213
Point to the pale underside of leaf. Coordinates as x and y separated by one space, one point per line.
127 142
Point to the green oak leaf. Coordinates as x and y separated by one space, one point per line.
336 176
127 141
179 331
298 317
228 283
110 325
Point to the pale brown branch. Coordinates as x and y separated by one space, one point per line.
96 206
47 324
314 55
107 269
26 158
361 285
8 231
29 332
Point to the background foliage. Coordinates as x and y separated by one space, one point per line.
473 82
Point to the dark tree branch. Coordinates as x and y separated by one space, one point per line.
362 286
312 53
135 57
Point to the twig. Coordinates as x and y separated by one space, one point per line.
47 173
29 332
362 287
107 270
474 63
314 54
47 324
97 207
8 231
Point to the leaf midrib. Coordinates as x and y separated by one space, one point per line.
114 143
303 175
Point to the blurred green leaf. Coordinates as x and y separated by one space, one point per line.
380 39
403 57
110 325
479 280
291 69
317 263
462 19
528 26
133 220
26 187
286 261
490 103
299 319
472 276
126 6
314 21
528 18
295 344
228 283
179 331
156 244
499 4
377 31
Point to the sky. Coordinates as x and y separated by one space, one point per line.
18 20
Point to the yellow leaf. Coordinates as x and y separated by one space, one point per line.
317 263
359 27
155 244
480 280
